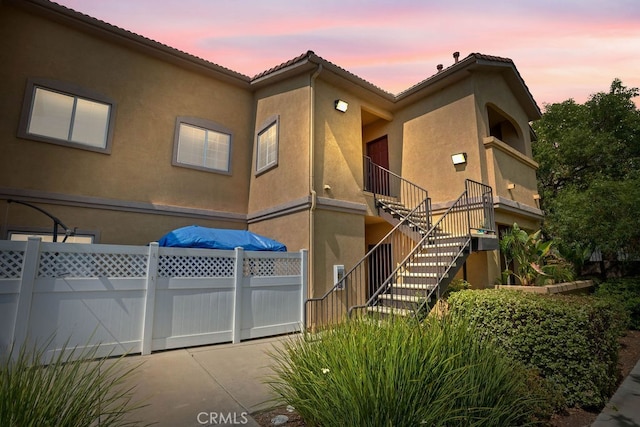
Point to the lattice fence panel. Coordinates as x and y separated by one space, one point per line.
65 264
195 266
271 267
11 264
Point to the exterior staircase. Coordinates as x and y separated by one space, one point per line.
417 222
414 263
430 270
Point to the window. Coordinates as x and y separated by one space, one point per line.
202 144
48 237
267 145
61 113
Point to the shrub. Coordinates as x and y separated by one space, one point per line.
626 294
73 389
401 373
456 285
572 341
537 262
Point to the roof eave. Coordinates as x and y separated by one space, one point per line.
309 62
472 62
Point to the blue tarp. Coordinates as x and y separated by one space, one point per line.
194 236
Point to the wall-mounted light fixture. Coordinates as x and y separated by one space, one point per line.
459 158
536 197
511 186
341 105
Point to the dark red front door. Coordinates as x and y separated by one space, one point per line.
378 152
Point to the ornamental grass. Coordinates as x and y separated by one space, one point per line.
73 387
401 373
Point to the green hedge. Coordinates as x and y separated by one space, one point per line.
626 293
571 340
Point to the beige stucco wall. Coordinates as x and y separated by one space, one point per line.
483 268
289 180
375 232
493 90
149 94
292 230
339 239
506 164
528 222
338 145
112 227
434 130
508 168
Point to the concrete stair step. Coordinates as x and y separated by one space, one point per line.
393 311
441 255
399 297
419 275
415 286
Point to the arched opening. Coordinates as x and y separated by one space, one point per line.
502 127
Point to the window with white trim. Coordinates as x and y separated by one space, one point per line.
267 145
202 144
64 114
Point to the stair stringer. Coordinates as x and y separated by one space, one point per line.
415 225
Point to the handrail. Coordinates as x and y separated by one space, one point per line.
397 260
342 283
430 234
384 184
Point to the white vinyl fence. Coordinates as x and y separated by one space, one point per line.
137 299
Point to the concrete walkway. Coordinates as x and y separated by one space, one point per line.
218 385
624 407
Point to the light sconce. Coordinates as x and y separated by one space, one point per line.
511 186
536 197
459 158
341 105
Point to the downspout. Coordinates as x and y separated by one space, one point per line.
312 190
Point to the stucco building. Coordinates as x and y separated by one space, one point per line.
125 139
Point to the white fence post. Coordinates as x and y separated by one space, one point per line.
29 273
150 299
304 280
236 327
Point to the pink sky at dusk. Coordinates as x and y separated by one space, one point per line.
563 49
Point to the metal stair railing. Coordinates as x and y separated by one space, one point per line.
474 206
472 211
387 186
481 211
363 279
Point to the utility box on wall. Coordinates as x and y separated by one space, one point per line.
338 276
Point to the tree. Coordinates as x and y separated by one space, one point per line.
589 178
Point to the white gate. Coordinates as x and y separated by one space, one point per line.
137 299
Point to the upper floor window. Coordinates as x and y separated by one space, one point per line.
267 145
202 144
64 114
